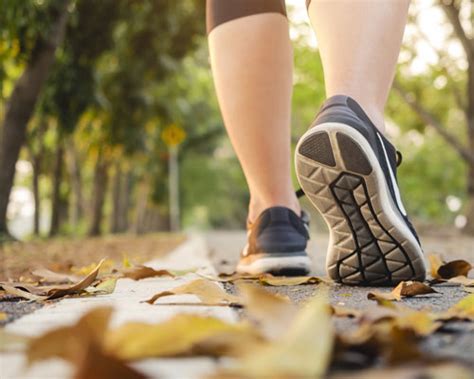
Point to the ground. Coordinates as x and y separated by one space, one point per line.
211 252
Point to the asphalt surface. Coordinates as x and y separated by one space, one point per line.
454 342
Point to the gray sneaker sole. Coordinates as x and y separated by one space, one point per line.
370 243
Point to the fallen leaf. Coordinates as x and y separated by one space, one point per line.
81 344
55 293
404 289
95 364
142 272
304 351
451 269
463 310
271 280
54 277
423 323
447 270
435 263
42 293
273 312
382 340
209 293
15 291
339 311
3 316
67 342
105 287
182 335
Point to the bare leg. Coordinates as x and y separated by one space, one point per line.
252 65
359 42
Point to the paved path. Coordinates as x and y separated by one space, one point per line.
222 248
126 302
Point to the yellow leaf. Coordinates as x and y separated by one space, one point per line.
184 334
105 287
463 310
68 342
404 289
273 312
3 316
209 293
271 280
303 352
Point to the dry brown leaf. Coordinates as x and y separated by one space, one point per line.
68 342
22 293
209 293
454 268
423 323
271 280
42 293
273 312
184 334
303 352
54 277
95 364
404 289
3 316
55 293
463 310
230 278
142 272
383 340
339 311
81 345
441 270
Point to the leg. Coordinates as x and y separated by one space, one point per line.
344 163
251 60
359 42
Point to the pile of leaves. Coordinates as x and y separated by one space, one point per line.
277 339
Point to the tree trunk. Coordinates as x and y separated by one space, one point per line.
99 191
77 209
20 107
469 228
36 163
57 179
116 200
126 191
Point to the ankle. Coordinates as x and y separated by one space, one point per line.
258 205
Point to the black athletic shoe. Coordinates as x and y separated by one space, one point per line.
348 171
276 244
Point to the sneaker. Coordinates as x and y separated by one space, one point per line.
348 170
276 244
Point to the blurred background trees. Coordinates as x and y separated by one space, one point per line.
87 88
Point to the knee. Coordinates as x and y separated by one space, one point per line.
221 11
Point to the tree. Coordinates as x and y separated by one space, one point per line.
39 30
439 110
